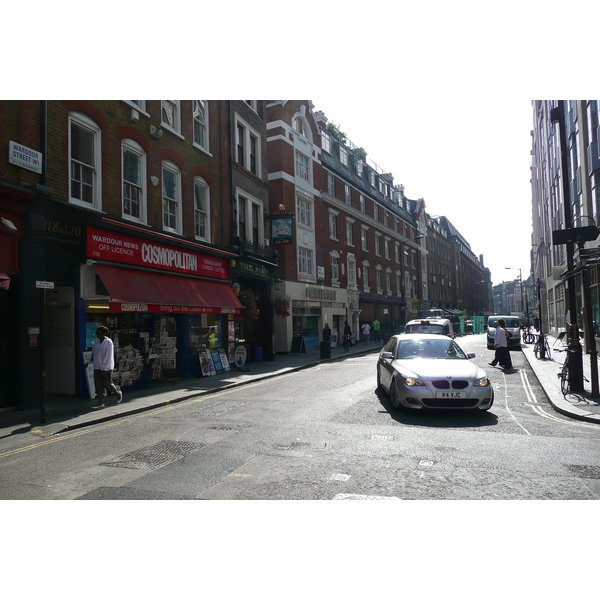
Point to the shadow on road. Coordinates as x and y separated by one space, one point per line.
437 417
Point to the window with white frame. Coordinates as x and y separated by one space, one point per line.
170 115
372 177
375 211
201 209
386 247
325 141
397 251
305 261
362 204
253 104
365 276
134 181
347 194
364 242
349 232
141 104
386 219
85 161
378 243
200 113
330 184
378 279
302 168
335 267
333 215
171 192
398 284
250 222
388 281
247 143
304 212
300 126
351 271
359 166
344 156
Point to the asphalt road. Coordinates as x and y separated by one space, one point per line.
320 434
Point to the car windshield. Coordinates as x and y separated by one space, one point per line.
513 323
408 349
438 329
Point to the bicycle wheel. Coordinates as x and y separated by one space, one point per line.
548 352
536 350
564 379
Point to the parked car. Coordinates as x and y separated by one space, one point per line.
513 324
439 326
431 371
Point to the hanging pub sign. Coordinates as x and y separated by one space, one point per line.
123 248
281 226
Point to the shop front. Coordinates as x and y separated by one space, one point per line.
387 310
311 307
166 307
253 284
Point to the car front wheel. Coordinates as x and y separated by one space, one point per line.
395 400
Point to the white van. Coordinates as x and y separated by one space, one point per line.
513 324
438 326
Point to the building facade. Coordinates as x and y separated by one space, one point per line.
577 181
127 213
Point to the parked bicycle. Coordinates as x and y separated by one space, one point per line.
563 374
542 346
528 336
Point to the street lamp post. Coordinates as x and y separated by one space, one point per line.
521 284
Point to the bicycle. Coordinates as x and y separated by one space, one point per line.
563 374
542 344
528 336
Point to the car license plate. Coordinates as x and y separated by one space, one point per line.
452 394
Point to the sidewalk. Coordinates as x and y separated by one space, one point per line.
577 406
65 414
68 413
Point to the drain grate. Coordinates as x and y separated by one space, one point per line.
156 456
585 471
222 428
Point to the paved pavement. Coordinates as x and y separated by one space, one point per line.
65 414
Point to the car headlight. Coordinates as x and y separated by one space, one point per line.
483 382
411 381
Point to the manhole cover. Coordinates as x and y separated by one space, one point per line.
156 456
585 471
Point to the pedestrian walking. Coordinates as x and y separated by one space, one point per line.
347 337
502 354
326 333
376 328
103 359
366 331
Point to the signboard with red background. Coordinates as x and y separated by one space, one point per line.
123 248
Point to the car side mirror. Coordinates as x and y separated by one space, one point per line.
387 355
471 355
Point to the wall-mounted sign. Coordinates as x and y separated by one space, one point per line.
45 285
170 308
123 248
282 231
24 157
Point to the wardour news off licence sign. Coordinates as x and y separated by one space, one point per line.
123 248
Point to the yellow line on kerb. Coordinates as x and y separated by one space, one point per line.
536 406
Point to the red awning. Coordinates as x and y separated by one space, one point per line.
132 286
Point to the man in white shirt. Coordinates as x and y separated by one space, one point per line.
103 359
366 331
501 344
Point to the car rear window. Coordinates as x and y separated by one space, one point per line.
438 329
510 322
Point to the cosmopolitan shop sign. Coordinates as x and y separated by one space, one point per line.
123 248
